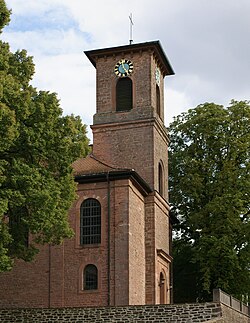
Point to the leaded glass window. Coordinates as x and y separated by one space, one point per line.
90 222
90 277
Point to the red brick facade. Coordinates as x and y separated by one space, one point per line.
127 175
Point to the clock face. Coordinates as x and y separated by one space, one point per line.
124 68
157 75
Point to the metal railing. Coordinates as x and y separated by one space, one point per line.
224 298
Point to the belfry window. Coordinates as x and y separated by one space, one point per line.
90 222
160 179
158 101
90 277
124 94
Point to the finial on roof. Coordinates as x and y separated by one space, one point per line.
131 29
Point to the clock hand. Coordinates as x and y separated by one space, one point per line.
124 68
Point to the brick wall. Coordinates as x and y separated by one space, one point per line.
161 156
136 247
150 249
106 84
17 286
127 250
55 277
185 313
122 145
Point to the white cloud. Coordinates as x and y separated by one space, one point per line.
175 103
31 7
73 79
206 42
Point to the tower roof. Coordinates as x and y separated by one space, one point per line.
154 46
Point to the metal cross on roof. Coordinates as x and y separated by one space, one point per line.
131 29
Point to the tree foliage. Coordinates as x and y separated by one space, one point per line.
4 15
37 147
209 160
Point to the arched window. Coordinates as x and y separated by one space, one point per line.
160 179
90 222
90 277
158 101
163 289
124 94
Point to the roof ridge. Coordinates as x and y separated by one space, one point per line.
91 155
92 164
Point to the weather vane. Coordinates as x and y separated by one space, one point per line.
131 29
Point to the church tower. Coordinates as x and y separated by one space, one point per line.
121 251
129 133
128 127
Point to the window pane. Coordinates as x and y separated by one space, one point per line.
90 277
90 222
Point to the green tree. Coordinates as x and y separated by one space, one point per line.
37 147
209 160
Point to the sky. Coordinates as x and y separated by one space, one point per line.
206 41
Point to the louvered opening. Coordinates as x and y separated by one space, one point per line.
158 101
160 179
124 94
